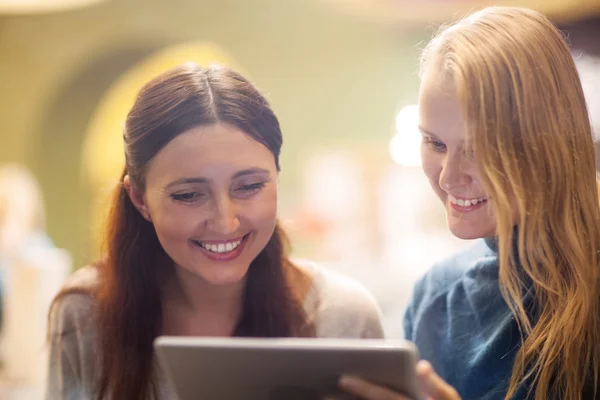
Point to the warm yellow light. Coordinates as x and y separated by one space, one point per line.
42 6
405 146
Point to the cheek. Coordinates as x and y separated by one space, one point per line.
261 210
173 221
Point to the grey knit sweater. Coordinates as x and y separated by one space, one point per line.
340 307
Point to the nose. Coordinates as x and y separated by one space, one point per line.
454 173
224 219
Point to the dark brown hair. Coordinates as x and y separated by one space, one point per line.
128 294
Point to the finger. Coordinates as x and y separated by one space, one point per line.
433 385
368 391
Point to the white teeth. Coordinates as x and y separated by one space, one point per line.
221 247
466 203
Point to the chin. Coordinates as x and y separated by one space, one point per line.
224 277
465 232
220 274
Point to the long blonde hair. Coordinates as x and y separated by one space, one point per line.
529 130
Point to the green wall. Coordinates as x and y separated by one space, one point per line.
330 78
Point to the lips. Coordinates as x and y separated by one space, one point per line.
221 250
462 202
464 205
220 246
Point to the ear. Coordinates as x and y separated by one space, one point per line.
136 198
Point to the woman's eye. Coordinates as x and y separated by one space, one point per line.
435 144
186 197
250 188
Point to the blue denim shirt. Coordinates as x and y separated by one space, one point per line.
461 324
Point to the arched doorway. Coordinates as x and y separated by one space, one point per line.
58 156
81 153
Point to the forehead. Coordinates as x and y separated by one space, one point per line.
211 151
439 109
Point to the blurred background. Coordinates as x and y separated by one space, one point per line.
341 76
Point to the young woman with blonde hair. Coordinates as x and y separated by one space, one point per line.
508 148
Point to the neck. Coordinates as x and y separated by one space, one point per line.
197 307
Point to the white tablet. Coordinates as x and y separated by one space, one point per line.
282 369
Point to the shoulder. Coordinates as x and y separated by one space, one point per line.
337 290
72 337
446 274
340 305
73 307
452 269
84 278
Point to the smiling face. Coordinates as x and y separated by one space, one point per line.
211 195
448 164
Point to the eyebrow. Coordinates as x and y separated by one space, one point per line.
238 174
251 171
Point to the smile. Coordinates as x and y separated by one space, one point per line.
466 205
220 246
466 202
